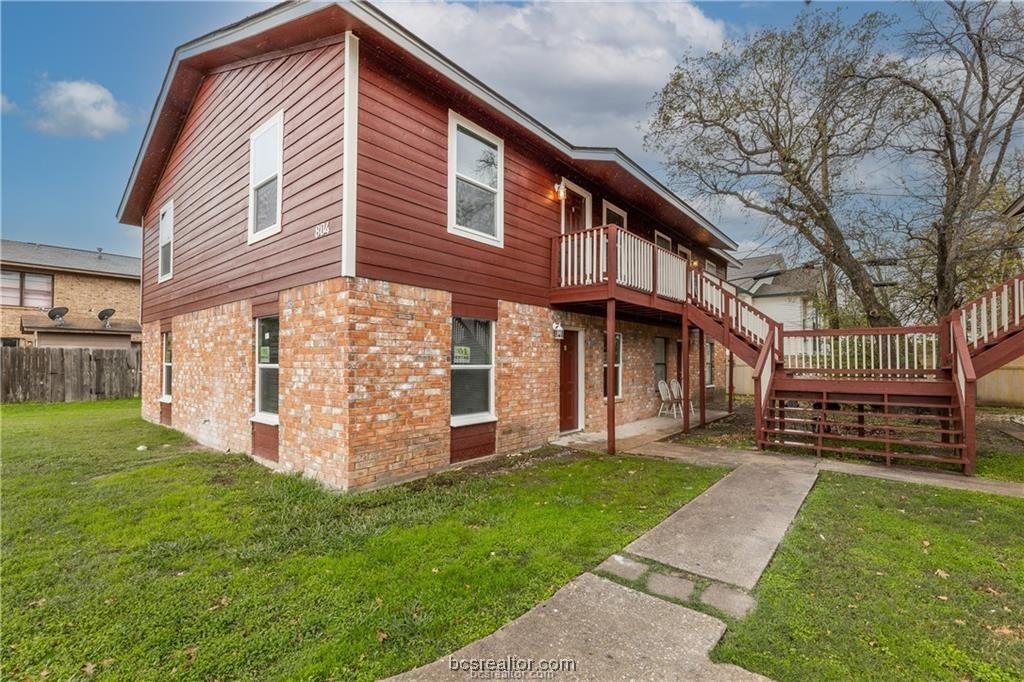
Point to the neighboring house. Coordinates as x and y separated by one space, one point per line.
1016 208
361 263
787 295
39 277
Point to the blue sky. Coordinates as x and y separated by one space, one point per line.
64 169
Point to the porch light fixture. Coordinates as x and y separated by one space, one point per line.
558 331
560 191
694 263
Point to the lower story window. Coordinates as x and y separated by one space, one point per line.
660 359
266 365
618 366
168 364
9 342
709 364
472 370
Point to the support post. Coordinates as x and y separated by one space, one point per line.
684 369
702 387
732 384
610 372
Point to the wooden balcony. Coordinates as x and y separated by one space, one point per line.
633 271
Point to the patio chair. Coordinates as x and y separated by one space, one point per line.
677 393
668 401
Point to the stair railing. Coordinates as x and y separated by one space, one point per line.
764 373
995 313
965 383
720 300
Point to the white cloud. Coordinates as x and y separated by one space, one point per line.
587 70
7 105
79 109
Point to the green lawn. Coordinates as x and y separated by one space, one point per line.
178 563
878 580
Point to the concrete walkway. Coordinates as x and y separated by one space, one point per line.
608 631
727 457
731 531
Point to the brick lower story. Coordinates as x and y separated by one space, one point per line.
364 378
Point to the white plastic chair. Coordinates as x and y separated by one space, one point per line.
677 393
668 402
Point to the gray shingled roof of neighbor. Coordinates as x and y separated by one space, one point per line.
785 281
65 258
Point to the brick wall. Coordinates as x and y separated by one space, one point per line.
640 398
399 367
152 366
82 295
526 377
214 375
365 387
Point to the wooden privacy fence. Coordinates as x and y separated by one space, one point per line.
56 375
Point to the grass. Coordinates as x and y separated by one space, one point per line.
186 564
878 580
1000 456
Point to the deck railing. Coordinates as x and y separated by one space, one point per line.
906 353
964 381
719 298
583 259
998 311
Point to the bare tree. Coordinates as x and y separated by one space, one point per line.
963 66
774 122
860 154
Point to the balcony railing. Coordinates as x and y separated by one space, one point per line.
582 260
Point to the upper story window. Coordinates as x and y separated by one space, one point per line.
662 240
166 241
265 153
28 289
613 215
476 169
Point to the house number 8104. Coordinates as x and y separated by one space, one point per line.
321 230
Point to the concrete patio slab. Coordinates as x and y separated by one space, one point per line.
611 633
730 532
729 457
632 435
736 603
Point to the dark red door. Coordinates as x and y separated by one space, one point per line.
569 388
575 211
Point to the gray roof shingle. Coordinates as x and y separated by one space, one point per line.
65 258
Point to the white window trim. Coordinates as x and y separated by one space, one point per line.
454 122
659 233
165 397
253 237
167 208
709 358
258 414
478 417
588 200
618 369
685 252
607 206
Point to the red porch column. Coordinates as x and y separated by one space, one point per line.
684 368
732 384
610 372
702 388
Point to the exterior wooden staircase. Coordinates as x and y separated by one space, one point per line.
896 393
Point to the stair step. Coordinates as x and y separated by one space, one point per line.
861 451
867 426
866 439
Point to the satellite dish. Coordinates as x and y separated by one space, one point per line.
105 316
57 315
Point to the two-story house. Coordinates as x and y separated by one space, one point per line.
364 264
40 277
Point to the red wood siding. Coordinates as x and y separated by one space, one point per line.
264 441
165 412
469 442
402 232
207 176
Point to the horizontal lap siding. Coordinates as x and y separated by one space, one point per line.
402 231
469 442
207 176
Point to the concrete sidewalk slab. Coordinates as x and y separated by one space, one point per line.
730 532
729 457
610 631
